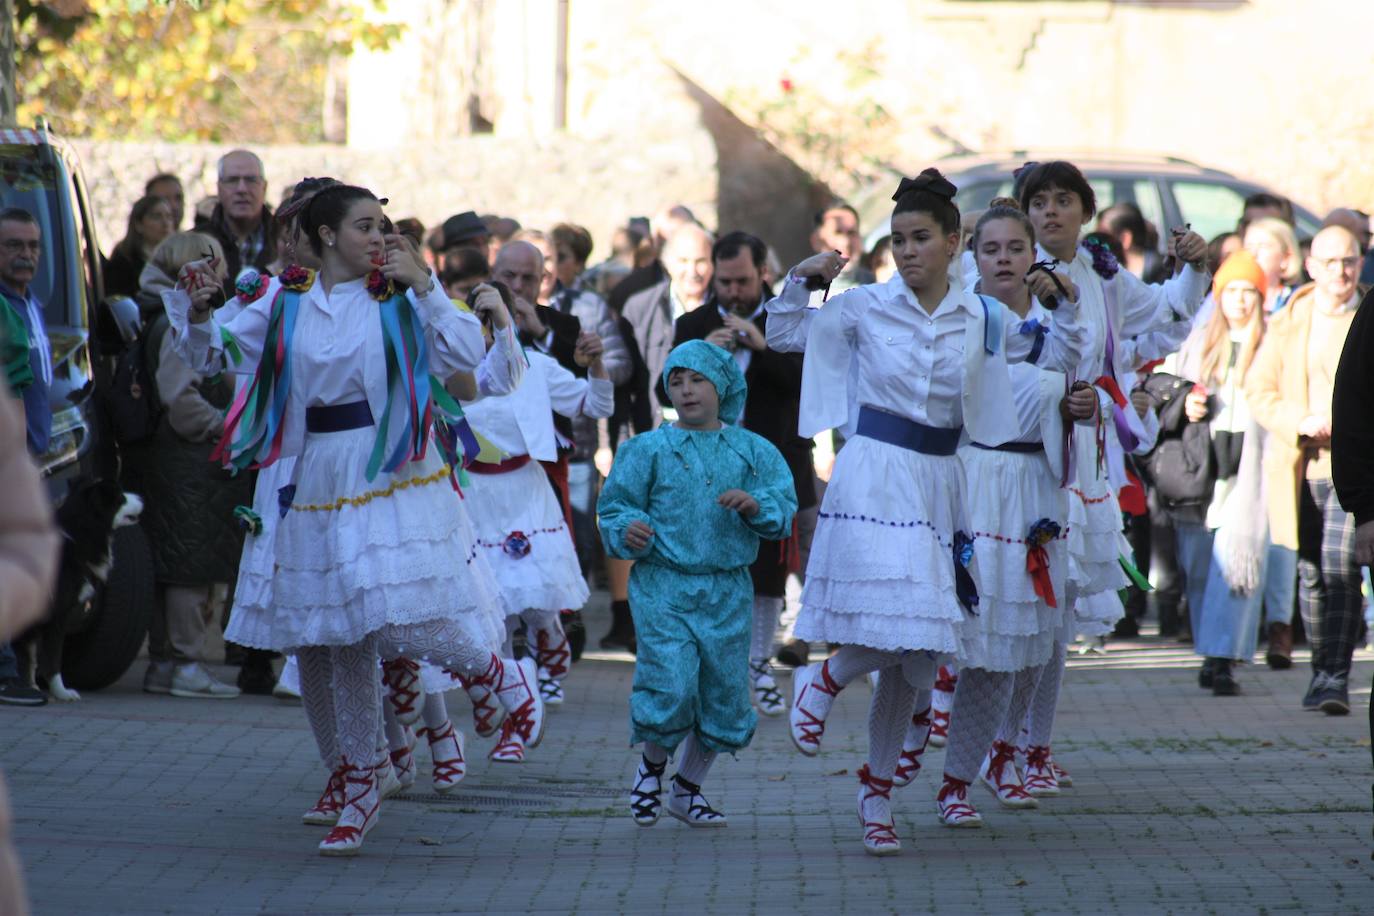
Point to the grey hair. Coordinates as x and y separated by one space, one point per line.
219 166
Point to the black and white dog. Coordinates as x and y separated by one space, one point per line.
88 517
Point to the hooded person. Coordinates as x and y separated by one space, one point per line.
689 502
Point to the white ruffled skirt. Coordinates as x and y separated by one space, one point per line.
256 563
353 556
1096 543
523 536
881 572
1008 493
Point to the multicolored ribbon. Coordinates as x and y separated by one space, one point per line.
964 586
254 426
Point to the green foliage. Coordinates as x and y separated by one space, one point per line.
243 70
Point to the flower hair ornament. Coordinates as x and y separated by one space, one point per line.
929 180
1105 264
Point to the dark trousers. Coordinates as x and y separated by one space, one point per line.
1328 577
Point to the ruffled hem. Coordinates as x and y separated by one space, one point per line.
997 652
282 630
1091 578
889 634
1097 614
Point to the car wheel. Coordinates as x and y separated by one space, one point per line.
99 655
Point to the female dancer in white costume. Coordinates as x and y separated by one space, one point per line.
904 366
365 548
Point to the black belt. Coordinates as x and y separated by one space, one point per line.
907 434
1025 448
337 418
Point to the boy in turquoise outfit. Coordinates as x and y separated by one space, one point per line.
689 503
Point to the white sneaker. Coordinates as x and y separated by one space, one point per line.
192 681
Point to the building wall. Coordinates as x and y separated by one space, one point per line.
1274 90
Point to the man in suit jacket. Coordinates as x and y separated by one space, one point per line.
734 318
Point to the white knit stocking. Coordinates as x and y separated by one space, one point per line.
439 642
980 706
766 613
1022 692
357 700
317 696
695 762
1040 720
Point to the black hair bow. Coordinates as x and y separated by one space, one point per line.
929 180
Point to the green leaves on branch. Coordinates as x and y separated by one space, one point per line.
247 70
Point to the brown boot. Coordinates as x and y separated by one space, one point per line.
1279 655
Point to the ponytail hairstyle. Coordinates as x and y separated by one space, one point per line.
1002 208
328 207
930 193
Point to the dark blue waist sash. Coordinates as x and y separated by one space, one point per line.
907 434
337 418
1026 448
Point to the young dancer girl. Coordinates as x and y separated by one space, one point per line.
904 366
1019 515
364 550
520 525
1115 306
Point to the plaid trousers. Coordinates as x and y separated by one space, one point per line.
1328 577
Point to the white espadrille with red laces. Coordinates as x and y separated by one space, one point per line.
813 692
952 805
487 712
913 748
403 760
1039 778
941 702
402 679
1060 774
875 815
388 784
999 774
361 808
326 810
446 753
523 727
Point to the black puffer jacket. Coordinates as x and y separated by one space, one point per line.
189 501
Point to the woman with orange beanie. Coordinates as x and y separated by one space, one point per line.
1223 558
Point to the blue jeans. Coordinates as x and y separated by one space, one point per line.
9 664
1229 624
1280 584
1194 543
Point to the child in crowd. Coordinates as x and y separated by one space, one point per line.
690 502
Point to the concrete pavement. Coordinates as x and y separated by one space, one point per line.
1182 803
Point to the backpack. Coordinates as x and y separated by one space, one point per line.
1181 467
135 408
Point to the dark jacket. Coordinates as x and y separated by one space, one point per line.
1352 421
121 272
218 226
189 501
774 398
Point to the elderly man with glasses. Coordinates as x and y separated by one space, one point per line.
1289 391
241 220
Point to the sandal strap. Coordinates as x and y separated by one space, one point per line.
400 676
875 786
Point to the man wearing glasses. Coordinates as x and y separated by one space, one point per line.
1289 390
242 221
27 361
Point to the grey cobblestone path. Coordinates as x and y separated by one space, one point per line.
1183 803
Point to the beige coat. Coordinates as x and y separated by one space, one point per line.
28 562
1276 391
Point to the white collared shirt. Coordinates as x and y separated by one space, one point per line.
521 422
